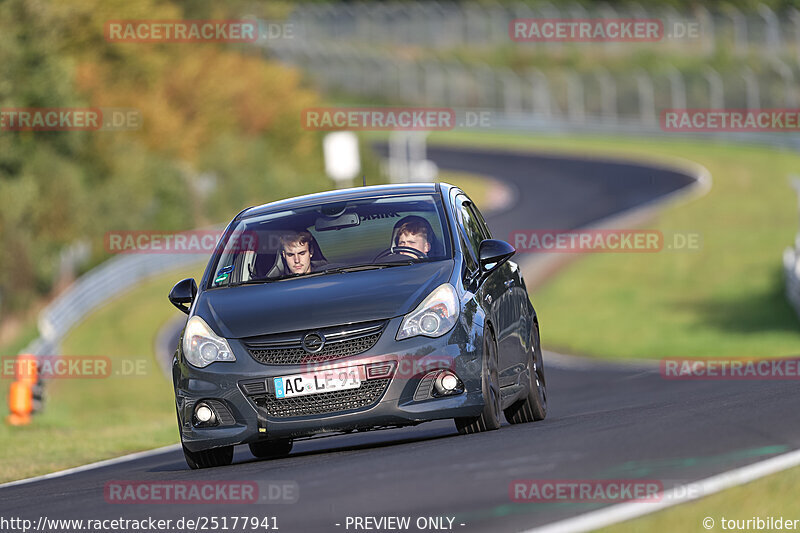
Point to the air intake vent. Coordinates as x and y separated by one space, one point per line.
254 387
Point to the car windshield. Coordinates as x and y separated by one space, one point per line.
363 234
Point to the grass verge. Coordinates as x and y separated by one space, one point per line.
770 496
91 419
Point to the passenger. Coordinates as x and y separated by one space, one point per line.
297 252
414 234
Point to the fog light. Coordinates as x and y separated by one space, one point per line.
204 416
447 383
203 413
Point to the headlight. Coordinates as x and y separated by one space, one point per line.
435 316
201 346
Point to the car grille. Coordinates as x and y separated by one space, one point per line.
340 341
323 403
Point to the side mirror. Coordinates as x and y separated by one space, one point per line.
493 253
183 293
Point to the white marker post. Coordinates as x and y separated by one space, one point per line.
342 161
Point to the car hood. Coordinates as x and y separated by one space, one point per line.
320 301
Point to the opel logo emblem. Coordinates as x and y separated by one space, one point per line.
313 342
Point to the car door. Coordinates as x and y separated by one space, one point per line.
516 308
493 292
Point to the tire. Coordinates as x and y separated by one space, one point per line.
534 406
489 419
271 449
208 458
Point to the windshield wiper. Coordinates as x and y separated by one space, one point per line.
254 282
332 270
357 268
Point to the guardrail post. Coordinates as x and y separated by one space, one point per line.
716 90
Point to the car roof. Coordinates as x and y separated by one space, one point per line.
341 195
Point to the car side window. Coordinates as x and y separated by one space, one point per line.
472 228
481 221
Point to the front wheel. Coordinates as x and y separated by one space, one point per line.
490 417
208 458
534 406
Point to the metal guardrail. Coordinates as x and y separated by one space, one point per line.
381 51
554 94
97 287
444 25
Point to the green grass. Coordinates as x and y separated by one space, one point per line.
27 332
725 299
770 496
88 420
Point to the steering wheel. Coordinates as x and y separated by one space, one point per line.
401 250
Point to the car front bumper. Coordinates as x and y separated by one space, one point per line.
458 351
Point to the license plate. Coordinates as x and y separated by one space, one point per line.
321 381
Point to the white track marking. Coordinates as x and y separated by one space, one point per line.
92 466
681 494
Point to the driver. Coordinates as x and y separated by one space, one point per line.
414 234
297 251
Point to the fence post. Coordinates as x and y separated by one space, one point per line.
575 105
794 16
608 95
512 92
741 43
789 96
716 94
751 84
677 88
540 98
773 31
647 104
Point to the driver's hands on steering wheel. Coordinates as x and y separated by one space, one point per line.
408 250
402 250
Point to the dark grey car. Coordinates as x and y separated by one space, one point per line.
357 309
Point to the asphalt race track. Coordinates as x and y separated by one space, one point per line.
605 421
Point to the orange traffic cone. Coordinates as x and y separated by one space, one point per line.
20 394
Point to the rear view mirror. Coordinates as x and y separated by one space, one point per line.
183 293
345 220
493 253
